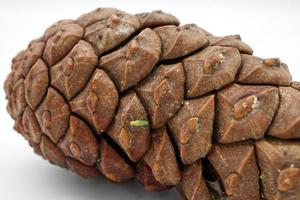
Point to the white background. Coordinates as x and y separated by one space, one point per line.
270 27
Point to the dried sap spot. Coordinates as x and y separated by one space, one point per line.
288 179
75 150
69 66
211 63
245 106
91 102
190 127
124 139
272 62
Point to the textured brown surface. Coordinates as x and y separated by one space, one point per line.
192 185
237 169
141 96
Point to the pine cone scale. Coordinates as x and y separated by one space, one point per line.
141 96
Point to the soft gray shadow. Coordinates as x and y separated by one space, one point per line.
62 184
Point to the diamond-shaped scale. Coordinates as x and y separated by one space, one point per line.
79 142
97 102
192 128
156 18
162 93
244 112
279 163
161 159
72 73
53 115
255 70
112 165
210 69
36 84
286 124
128 65
106 28
180 41
133 138
60 39
192 185
236 166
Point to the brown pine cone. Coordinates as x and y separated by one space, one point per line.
140 96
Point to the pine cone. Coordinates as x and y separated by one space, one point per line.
174 106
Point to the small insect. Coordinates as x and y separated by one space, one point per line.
139 123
